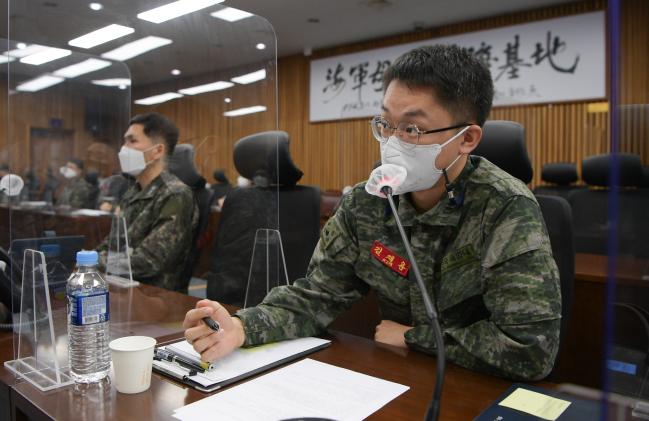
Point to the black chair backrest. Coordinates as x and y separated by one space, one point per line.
503 143
560 176
274 202
182 165
590 207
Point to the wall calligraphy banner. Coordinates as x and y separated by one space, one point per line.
554 60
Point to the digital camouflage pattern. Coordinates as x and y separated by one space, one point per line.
161 221
78 194
487 265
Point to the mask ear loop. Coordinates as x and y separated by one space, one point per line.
453 199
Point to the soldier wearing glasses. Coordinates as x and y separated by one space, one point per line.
484 256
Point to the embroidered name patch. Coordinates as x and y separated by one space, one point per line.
390 258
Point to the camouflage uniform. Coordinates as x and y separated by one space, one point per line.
487 265
78 194
161 221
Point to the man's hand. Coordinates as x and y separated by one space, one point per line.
391 333
213 345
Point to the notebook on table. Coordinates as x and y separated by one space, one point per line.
240 364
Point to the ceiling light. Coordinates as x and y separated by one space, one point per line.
96 6
231 14
215 86
250 77
25 51
157 99
244 111
176 72
122 87
21 46
45 56
260 46
100 36
39 83
227 100
4 58
86 66
173 10
135 48
113 82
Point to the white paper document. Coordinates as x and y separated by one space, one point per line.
307 388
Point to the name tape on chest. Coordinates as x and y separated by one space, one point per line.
390 259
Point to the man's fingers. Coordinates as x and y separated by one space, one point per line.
204 343
195 333
194 316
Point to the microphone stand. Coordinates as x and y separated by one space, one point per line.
433 408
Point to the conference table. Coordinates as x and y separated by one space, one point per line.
159 313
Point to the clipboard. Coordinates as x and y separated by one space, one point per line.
240 364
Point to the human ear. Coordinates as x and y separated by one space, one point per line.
470 139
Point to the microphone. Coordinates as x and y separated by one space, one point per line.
383 182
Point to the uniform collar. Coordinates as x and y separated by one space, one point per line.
443 213
150 190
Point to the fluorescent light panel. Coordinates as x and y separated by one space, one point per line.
4 58
244 111
113 82
23 52
208 87
157 99
231 14
135 48
45 56
250 77
101 35
86 66
39 83
173 10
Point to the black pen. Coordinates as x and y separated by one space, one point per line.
171 356
212 324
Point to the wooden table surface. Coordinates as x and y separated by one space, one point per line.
158 313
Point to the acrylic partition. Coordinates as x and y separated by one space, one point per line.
626 325
162 221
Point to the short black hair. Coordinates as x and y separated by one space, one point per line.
77 162
157 125
219 175
461 83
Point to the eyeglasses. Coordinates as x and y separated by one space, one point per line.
408 133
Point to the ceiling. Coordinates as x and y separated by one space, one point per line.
203 44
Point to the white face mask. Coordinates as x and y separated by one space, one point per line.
68 172
132 160
418 160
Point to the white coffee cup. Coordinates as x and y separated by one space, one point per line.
132 360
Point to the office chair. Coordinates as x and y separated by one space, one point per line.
560 176
503 143
590 207
275 202
182 165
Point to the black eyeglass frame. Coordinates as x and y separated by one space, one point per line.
419 132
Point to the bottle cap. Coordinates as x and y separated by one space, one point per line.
87 258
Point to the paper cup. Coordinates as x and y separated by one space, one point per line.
132 360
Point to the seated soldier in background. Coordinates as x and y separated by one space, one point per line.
159 209
78 193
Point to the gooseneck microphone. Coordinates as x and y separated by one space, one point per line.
383 181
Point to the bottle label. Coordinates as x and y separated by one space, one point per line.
88 309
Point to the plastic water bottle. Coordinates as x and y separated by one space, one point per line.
88 315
